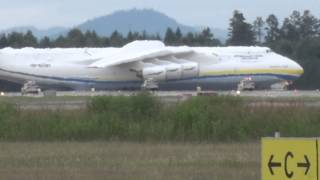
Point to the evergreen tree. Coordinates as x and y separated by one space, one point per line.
178 37
137 36
130 37
170 37
258 25
60 42
3 41
29 40
273 31
206 38
75 38
290 29
116 39
189 39
91 39
45 42
133 36
105 42
240 32
309 25
15 40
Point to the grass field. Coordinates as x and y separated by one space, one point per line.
144 118
135 161
139 137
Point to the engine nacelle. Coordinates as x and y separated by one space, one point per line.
157 73
161 70
173 71
190 69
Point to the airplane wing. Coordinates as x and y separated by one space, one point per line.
138 51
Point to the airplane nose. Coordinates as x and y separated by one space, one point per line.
298 70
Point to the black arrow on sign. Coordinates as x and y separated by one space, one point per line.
306 164
273 164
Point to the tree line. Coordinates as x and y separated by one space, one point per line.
297 36
296 27
76 38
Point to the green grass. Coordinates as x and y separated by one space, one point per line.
144 118
127 160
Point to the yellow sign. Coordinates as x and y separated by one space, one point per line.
290 158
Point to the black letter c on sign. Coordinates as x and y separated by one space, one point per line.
288 174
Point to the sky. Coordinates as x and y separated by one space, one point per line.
213 13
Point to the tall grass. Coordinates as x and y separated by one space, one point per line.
144 118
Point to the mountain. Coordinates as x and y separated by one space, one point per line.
148 20
136 20
39 33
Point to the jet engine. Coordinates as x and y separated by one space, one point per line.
173 71
161 70
157 73
189 69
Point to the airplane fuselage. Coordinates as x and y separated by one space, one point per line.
217 68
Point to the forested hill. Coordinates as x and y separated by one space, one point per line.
124 21
136 20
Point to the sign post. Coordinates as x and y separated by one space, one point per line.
290 159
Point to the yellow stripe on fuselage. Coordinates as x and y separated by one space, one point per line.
284 71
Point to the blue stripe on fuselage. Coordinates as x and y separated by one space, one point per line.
83 80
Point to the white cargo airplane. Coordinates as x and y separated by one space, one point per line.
173 68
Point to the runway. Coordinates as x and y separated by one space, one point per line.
262 93
73 100
274 94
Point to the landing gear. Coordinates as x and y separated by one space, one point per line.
150 84
246 84
30 87
282 86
